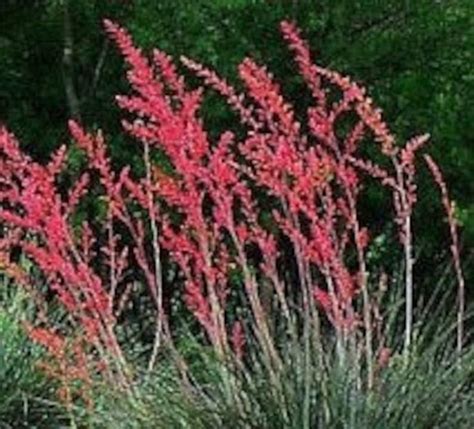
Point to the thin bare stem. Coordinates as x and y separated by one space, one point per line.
156 259
403 209
449 208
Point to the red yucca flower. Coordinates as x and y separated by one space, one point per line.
304 176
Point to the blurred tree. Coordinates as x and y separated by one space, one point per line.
415 57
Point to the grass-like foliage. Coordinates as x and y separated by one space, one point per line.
432 390
27 397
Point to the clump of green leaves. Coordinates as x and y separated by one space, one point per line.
432 388
26 396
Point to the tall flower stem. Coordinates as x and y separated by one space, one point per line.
156 259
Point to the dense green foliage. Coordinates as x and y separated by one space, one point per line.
27 397
415 57
432 390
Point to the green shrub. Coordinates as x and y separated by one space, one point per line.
26 396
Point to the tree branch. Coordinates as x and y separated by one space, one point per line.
68 65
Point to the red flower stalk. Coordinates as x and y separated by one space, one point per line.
305 173
226 206
70 365
238 339
32 205
449 209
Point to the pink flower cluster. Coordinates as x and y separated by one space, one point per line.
311 178
303 176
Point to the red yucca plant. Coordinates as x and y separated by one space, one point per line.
206 212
